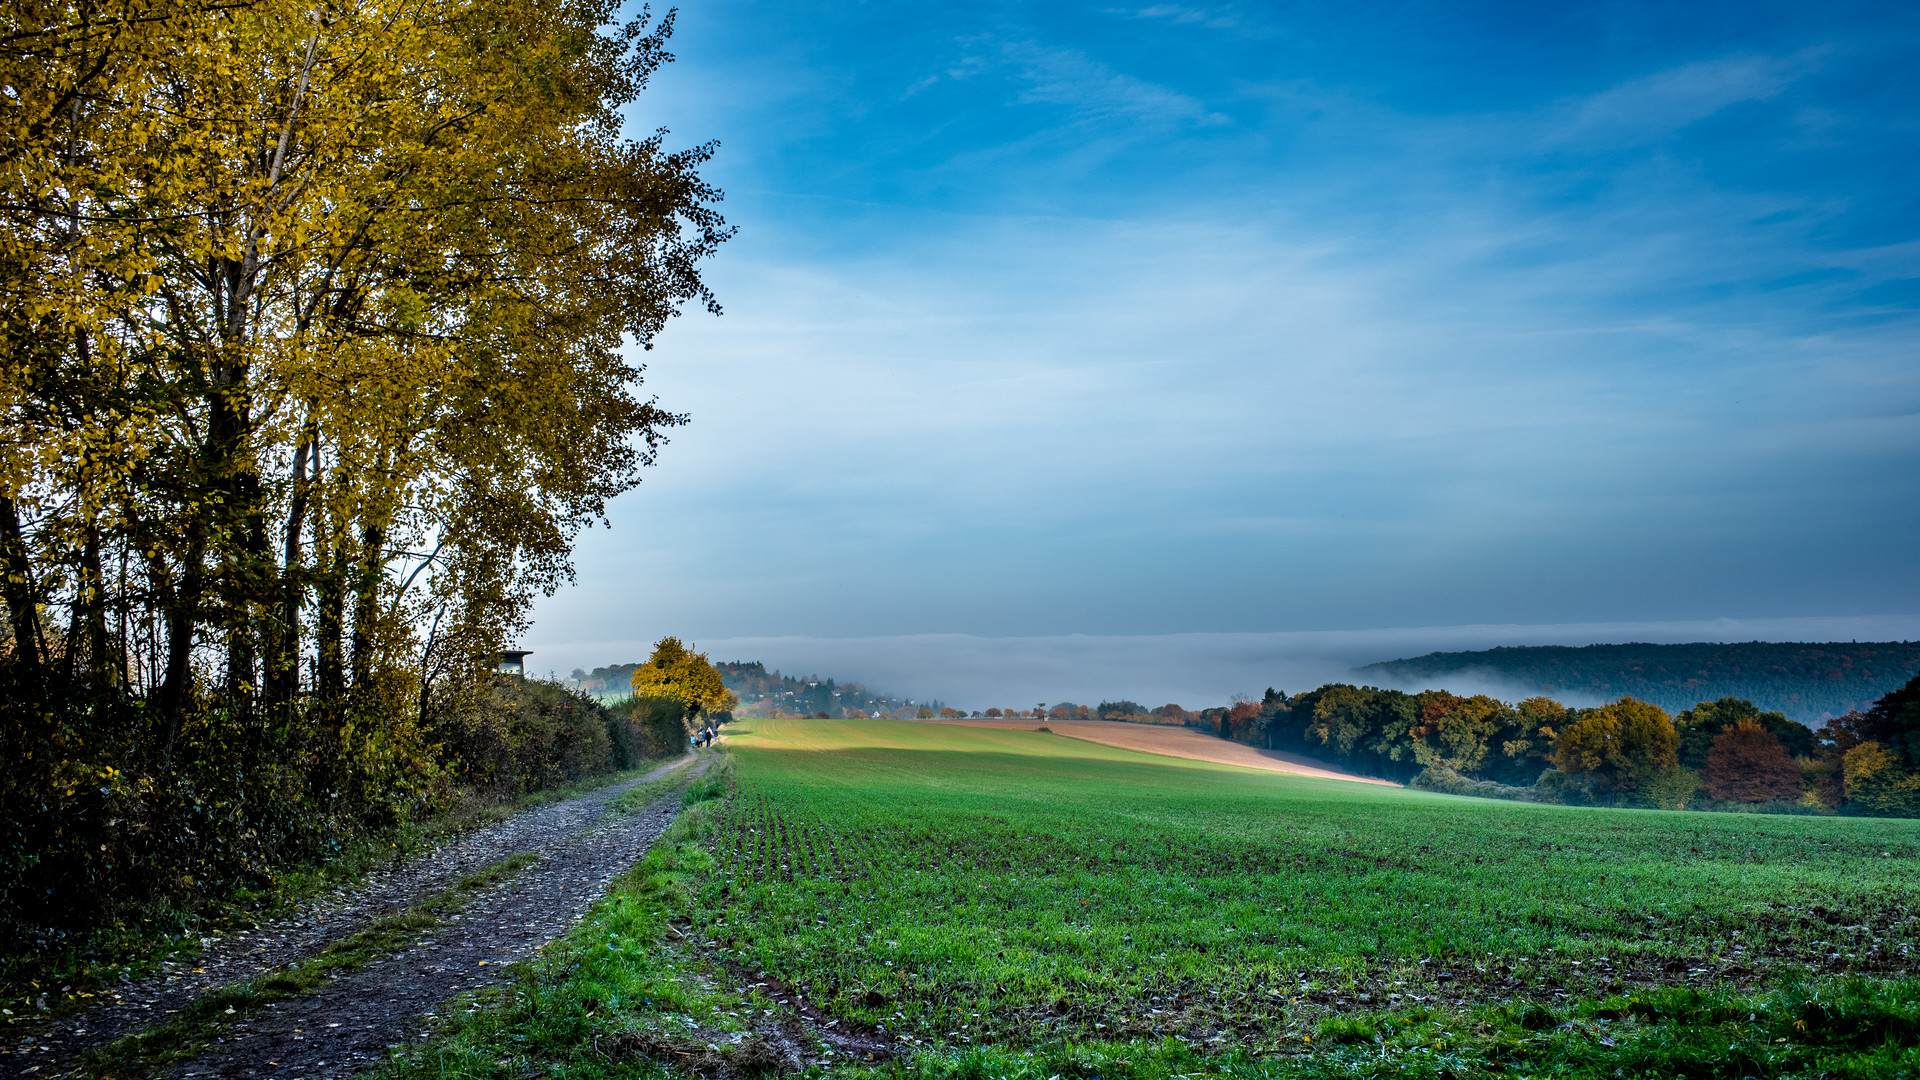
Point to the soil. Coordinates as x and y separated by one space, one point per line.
349 1025
1180 742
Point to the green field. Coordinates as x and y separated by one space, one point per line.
1012 902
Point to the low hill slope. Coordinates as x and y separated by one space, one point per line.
1179 742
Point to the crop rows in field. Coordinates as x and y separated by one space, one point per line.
1153 903
757 841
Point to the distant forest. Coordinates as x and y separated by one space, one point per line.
769 693
1808 682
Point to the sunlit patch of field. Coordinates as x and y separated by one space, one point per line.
969 884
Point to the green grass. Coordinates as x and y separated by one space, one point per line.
641 796
1016 904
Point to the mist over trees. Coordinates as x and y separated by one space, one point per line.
1808 682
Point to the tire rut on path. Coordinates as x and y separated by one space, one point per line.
233 958
352 1024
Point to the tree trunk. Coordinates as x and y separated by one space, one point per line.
16 583
283 656
90 616
182 619
366 604
330 620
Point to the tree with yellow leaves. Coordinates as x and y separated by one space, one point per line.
676 673
1623 743
313 332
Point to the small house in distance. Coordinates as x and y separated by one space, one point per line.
513 662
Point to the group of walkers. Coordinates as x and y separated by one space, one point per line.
704 737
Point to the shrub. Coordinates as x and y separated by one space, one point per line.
1670 789
1584 789
516 736
1443 779
648 729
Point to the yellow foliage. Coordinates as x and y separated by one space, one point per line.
677 673
1625 742
1878 781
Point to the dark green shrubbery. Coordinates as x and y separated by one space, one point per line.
650 729
516 737
118 829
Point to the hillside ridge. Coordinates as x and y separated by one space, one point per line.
1808 681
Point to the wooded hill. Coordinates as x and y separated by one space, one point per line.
1806 681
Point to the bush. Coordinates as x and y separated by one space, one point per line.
1583 789
1670 789
517 736
649 729
1440 778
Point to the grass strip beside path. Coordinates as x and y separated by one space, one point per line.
623 991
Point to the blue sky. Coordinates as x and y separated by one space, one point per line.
1135 320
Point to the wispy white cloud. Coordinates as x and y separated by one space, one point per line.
1181 15
1657 105
1097 364
1093 90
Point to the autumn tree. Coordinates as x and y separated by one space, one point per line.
1620 744
1878 782
1747 763
316 330
1894 722
1455 732
1881 772
1702 724
676 673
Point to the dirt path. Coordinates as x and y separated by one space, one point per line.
579 849
351 1025
1180 742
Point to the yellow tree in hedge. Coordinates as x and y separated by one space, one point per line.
677 673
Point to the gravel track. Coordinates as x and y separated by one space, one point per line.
353 1023
578 854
